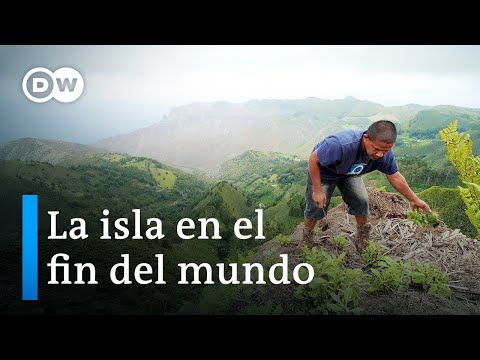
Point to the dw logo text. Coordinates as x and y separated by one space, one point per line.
40 85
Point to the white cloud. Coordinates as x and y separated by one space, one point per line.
175 75
284 82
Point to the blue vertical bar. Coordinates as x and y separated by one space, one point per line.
30 247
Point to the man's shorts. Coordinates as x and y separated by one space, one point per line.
353 192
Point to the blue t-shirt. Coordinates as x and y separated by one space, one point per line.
341 155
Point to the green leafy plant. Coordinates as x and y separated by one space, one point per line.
270 260
395 276
432 279
391 275
241 258
284 240
373 253
450 206
459 153
424 219
339 241
333 290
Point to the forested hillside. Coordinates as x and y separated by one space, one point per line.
419 137
119 184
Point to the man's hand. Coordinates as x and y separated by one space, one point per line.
319 198
400 184
418 204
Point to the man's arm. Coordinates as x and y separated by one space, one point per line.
314 169
400 184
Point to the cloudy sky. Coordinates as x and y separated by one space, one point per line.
128 87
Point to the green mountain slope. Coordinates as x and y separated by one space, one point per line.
53 152
226 204
112 185
275 182
288 213
427 123
84 191
419 174
420 136
263 176
398 114
223 199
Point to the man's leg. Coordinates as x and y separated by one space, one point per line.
361 220
308 227
308 223
363 233
312 212
355 196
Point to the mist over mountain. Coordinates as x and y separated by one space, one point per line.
203 135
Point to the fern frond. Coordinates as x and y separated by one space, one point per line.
459 153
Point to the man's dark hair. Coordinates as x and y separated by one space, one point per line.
382 130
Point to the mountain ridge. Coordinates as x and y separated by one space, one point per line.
203 135
51 151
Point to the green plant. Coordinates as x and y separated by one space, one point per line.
391 275
240 258
339 241
450 207
432 279
270 260
284 240
333 288
459 153
394 276
424 219
373 253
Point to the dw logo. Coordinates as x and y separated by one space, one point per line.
40 85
